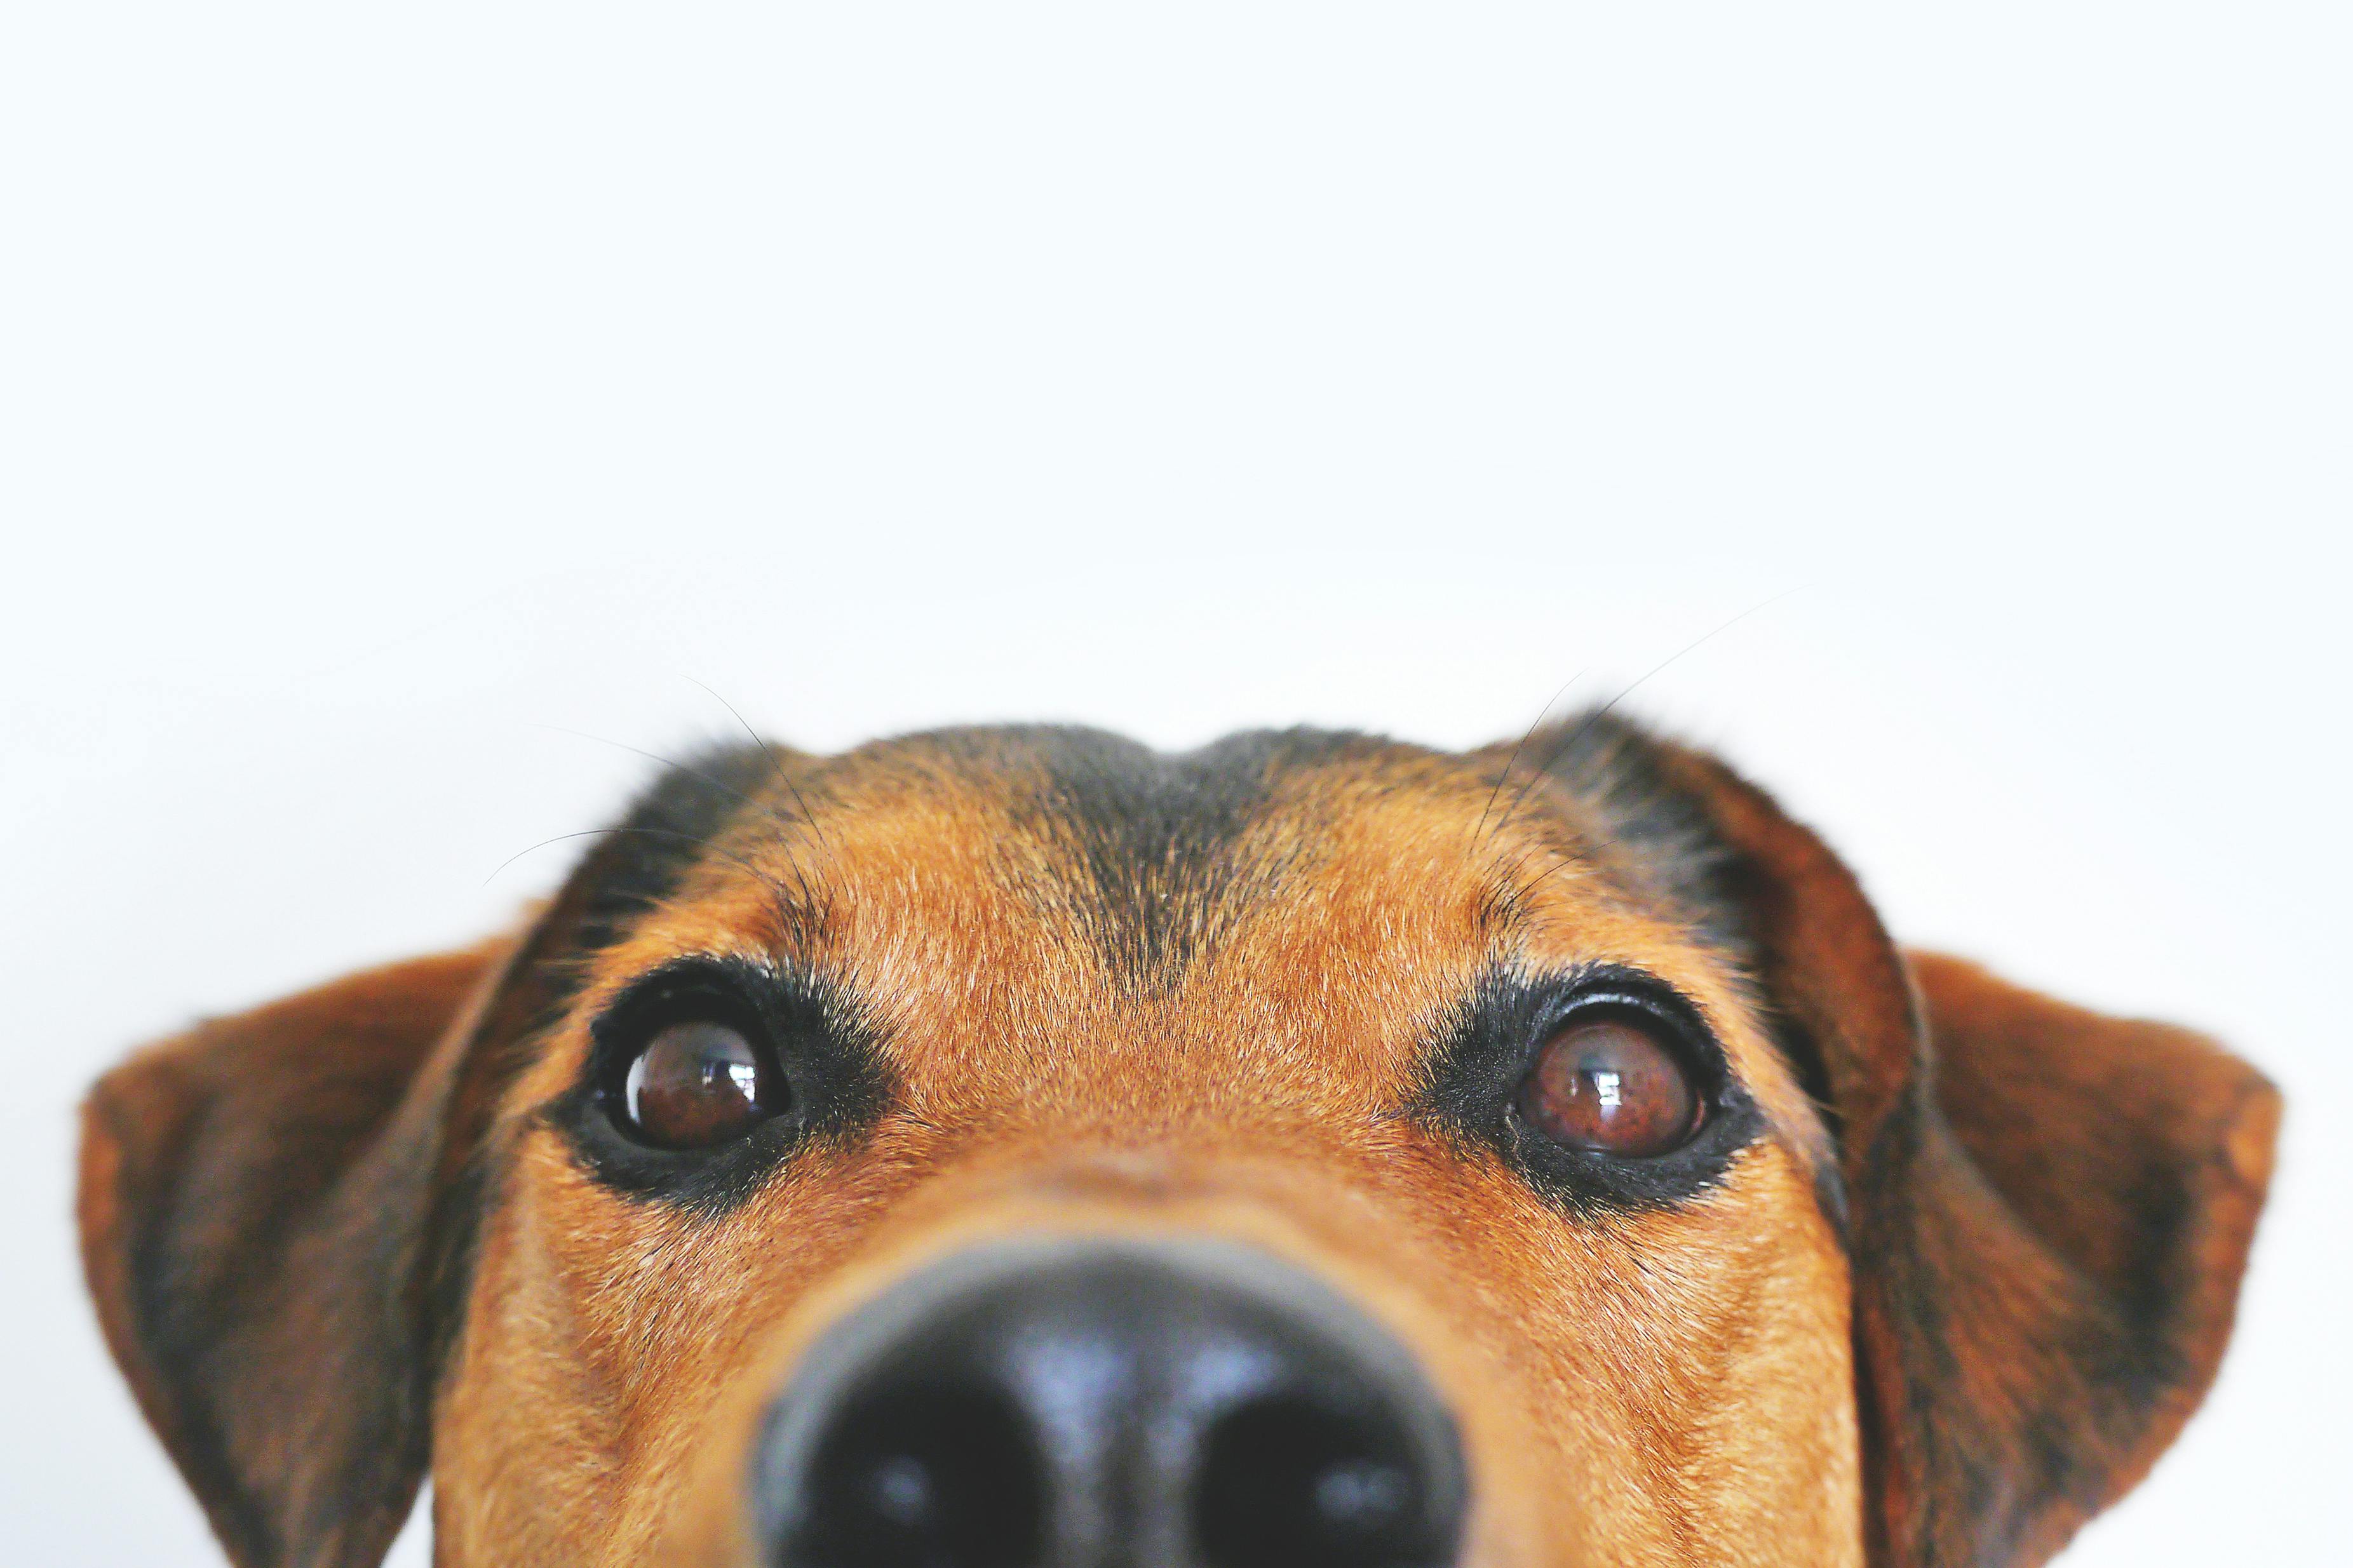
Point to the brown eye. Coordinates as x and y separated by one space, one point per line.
1608 1085
699 1083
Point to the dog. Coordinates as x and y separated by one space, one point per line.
1008 1147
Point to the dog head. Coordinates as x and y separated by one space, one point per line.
1013 1146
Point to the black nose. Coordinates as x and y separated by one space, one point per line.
1110 1405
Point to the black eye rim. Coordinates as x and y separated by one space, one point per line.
804 1027
1482 1062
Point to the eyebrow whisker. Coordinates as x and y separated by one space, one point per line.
776 763
1513 761
800 873
1553 756
783 893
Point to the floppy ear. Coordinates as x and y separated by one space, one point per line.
254 1203
2125 1162
278 1210
2049 1210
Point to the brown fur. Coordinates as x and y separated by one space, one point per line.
1938 1319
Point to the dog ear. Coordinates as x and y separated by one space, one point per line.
252 1206
278 1209
2123 1164
2049 1210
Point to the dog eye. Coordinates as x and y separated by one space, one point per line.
697 1083
1609 1085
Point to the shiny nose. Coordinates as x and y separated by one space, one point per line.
1109 1404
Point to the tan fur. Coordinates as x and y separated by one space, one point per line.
1644 1388
1693 1367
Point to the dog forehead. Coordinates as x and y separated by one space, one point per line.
1076 862
1151 866
1057 886
1151 859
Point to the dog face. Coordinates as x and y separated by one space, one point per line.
1009 1147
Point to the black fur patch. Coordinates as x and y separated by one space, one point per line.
1612 766
1159 837
646 856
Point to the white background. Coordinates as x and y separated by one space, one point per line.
387 394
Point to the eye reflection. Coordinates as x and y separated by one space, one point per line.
697 1083
1608 1085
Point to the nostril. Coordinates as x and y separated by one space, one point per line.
1083 1403
1286 1482
925 1478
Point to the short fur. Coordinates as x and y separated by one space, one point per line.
1962 1279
